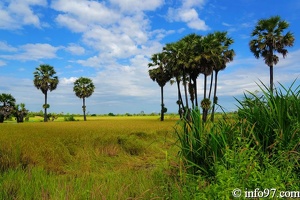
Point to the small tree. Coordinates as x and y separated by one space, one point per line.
20 112
7 103
83 88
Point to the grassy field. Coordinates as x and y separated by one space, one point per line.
102 158
140 157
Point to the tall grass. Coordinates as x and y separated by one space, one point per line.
275 117
202 143
259 147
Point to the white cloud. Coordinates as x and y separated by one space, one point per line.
6 47
193 3
188 14
107 30
75 49
133 6
67 81
2 63
35 52
80 15
18 13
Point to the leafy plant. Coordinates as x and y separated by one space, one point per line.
275 118
202 144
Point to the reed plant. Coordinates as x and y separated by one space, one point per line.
203 143
275 117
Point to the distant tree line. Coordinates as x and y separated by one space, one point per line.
182 62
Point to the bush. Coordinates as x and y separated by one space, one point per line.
69 118
111 114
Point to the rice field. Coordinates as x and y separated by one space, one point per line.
102 158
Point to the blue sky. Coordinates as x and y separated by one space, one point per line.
111 43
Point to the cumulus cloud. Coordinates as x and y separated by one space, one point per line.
67 81
35 52
79 16
188 14
75 49
18 13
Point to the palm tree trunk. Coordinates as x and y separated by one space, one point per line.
83 108
191 92
186 109
162 103
205 83
204 110
195 90
45 108
271 79
214 98
185 90
180 103
211 83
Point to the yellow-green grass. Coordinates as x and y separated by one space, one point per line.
107 158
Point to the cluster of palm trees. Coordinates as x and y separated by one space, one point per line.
183 61
46 81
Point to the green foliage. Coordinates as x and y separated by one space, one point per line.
69 118
259 148
20 112
275 118
202 144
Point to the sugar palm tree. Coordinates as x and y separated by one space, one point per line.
223 55
83 88
269 38
176 72
45 81
160 75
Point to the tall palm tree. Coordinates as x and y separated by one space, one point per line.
223 56
83 88
45 81
205 57
176 72
160 75
269 39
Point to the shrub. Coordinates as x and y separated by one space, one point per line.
69 118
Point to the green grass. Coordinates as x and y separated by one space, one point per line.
139 157
107 158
